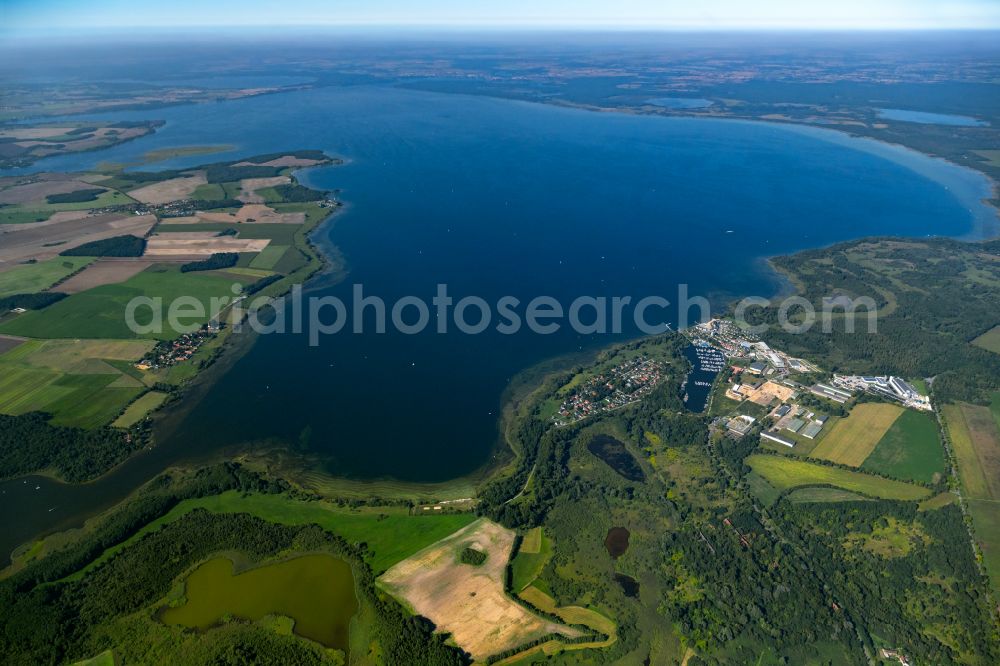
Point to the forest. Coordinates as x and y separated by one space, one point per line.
46 617
29 443
116 246
934 296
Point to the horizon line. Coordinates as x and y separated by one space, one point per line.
493 27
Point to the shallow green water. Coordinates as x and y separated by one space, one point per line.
317 591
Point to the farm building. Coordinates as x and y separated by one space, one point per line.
775 437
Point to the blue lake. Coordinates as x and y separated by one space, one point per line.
499 198
931 118
680 102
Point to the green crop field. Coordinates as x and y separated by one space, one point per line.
390 533
70 355
138 409
911 449
990 340
100 312
32 278
526 566
84 401
70 379
787 473
269 256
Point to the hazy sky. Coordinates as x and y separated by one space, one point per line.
35 15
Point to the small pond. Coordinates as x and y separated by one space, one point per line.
630 586
316 591
617 457
617 541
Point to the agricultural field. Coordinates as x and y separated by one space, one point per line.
45 209
71 379
787 473
390 533
534 553
45 240
469 601
31 278
103 271
990 340
852 440
269 257
100 312
138 409
975 436
938 501
911 449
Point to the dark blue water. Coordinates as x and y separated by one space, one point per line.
496 198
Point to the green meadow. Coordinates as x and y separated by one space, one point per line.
530 559
911 449
138 409
32 278
390 533
72 380
100 312
787 473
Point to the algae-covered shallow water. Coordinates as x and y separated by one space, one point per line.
316 591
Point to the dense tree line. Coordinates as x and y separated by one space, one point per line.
30 301
29 443
77 196
116 246
252 289
216 261
296 193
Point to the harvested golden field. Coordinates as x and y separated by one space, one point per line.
200 243
468 601
853 439
166 191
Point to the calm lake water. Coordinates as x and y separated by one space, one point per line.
495 197
680 102
317 591
931 118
